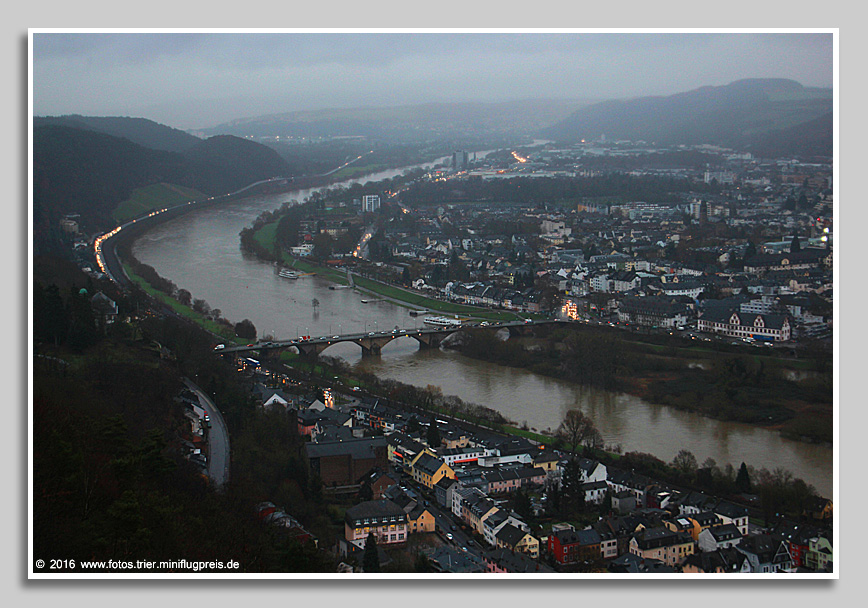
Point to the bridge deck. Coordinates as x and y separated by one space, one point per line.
357 337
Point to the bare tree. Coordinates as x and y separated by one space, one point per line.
685 463
578 429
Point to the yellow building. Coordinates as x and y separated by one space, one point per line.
516 539
547 461
685 524
420 519
662 544
428 470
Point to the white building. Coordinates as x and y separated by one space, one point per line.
370 203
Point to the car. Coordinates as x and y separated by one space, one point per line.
372 333
449 536
220 347
485 324
322 338
335 337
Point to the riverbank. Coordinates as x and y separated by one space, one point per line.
399 296
725 383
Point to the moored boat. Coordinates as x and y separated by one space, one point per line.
442 322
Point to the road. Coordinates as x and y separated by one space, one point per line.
218 438
445 520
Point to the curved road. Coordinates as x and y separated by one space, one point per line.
218 438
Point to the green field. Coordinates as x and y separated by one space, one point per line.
156 196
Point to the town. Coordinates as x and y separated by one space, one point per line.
467 499
743 252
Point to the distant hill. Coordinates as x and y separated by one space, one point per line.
82 171
410 123
225 163
754 113
141 131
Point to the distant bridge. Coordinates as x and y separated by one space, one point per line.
373 342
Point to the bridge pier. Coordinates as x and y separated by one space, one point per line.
429 340
311 351
373 346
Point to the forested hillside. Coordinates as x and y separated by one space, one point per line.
88 173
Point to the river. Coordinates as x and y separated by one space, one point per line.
200 252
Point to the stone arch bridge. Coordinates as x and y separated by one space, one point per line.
372 343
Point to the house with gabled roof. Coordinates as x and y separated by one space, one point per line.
730 513
379 482
105 309
427 469
628 481
719 537
766 553
492 524
797 535
720 561
570 546
704 520
443 491
475 509
819 554
403 449
518 540
695 502
661 543
685 524
595 492
592 470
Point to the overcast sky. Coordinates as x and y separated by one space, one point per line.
198 80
